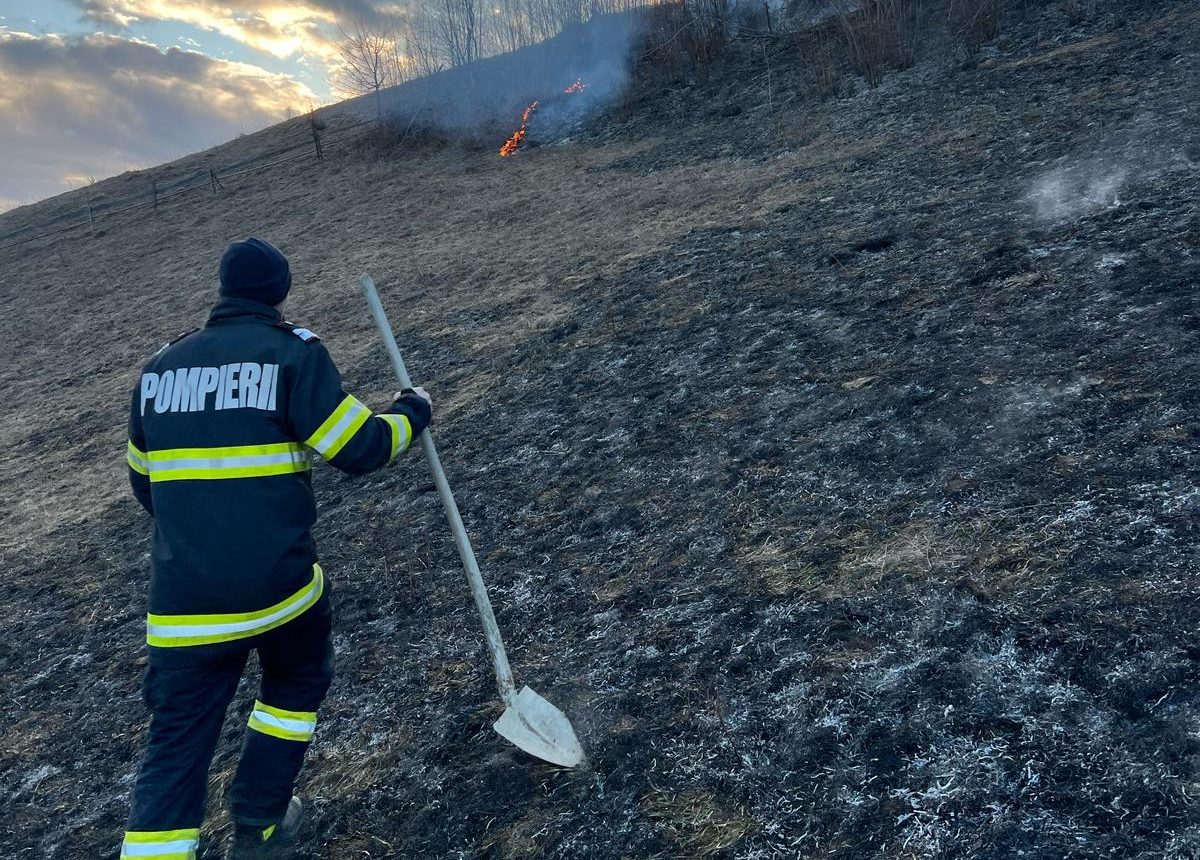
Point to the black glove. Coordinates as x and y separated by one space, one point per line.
415 407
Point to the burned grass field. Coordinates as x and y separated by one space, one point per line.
834 465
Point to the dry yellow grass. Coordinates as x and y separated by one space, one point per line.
698 823
451 237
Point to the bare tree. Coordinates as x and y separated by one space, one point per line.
439 34
370 61
457 29
509 30
421 55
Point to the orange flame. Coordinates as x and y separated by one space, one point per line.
515 139
577 87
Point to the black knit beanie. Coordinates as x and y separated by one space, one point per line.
255 270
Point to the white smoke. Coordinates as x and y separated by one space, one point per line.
491 93
1129 163
1068 193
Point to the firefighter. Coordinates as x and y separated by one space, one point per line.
223 429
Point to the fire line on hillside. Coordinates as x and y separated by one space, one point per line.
514 140
510 146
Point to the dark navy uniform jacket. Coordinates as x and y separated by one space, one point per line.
223 428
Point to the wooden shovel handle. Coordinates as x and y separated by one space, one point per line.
504 678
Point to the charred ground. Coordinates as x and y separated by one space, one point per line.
834 466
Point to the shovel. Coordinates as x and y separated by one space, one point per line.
529 722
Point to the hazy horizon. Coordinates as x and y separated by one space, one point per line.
92 88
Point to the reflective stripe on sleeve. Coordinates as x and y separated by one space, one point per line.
174 631
161 844
238 461
339 428
137 459
280 723
401 433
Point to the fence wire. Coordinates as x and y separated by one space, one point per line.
211 178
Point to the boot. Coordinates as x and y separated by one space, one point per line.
254 842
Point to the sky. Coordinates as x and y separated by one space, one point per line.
92 88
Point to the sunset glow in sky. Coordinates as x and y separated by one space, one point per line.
91 88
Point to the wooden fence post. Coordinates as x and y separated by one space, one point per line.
91 219
315 125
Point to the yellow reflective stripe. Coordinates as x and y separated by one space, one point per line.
161 844
284 713
237 461
326 428
137 459
281 723
352 427
174 631
339 428
267 833
226 451
142 837
401 433
236 616
264 471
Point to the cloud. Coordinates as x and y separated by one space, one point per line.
281 29
91 106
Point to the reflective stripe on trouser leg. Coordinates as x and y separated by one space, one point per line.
297 667
161 844
283 724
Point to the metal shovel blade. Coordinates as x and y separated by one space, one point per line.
542 730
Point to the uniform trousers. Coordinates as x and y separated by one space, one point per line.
188 690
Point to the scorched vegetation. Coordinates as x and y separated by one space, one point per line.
831 451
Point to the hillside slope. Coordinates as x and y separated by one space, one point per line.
835 466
